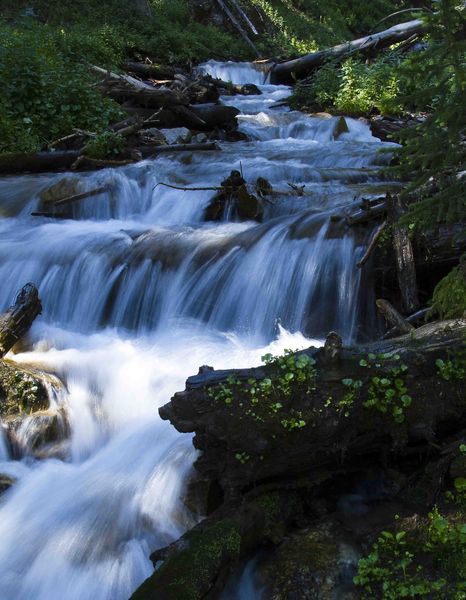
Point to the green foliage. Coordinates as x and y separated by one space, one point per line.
302 26
354 87
429 562
44 94
434 153
449 298
387 392
262 399
104 145
450 369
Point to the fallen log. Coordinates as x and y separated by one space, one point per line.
79 197
17 320
393 317
417 317
38 162
289 71
336 413
367 214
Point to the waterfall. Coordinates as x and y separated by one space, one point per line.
137 292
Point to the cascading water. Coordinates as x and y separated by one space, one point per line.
138 292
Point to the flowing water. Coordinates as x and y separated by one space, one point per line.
138 292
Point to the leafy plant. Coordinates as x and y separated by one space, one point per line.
265 398
428 562
104 145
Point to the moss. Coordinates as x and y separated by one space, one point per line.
187 575
21 390
449 298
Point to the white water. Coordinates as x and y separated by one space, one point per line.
138 292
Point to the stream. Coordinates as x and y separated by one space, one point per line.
138 292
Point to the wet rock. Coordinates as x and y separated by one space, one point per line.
153 136
199 138
31 425
63 188
340 128
314 564
177 135
22 390
6 482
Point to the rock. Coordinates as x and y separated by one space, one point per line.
63 188
6 482
199 138
22 390
32 427
341 127
177 135
248 89
317 563
153 136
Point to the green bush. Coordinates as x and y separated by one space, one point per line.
354 87
104 145
44 93
427 562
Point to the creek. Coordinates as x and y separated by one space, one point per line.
138 292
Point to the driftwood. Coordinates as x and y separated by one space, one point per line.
17 320
393 317
298 68
128 87
367 214
417 317
406 268
79 197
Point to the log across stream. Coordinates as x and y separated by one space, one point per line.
137 292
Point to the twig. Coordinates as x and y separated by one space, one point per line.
190 189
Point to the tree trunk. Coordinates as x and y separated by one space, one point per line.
404 255
17 320
291 70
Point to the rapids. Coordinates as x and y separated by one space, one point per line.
138 292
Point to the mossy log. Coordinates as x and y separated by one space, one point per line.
197 565
17 320
357 408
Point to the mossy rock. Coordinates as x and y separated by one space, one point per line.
22 390
63 188
313 564
6 482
